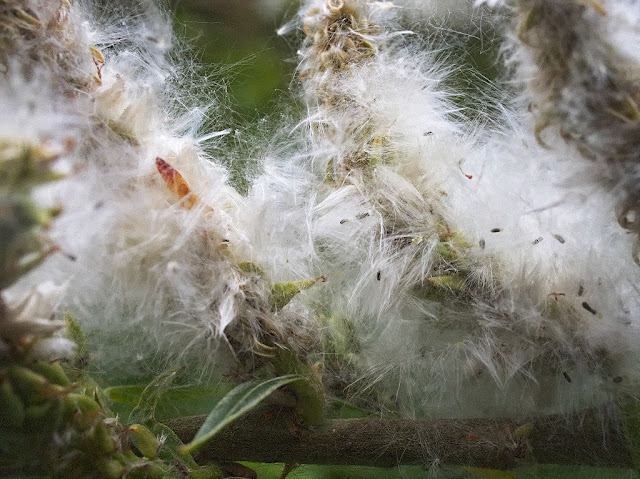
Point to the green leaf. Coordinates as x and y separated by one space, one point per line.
282 293
630 409
175 402
240 400
482 473
125 394
145 410
339 409
75 334
171 445
144 413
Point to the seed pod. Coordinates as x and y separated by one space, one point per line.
31 386
69 407
83 403
149 471
101 438
11 407
44 418
84 411
145 440
52 372
111 469
523 432
176 183
451 282
210 471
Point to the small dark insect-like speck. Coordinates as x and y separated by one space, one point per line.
378 275
586 306
566 376
496 230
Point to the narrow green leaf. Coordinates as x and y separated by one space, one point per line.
240 400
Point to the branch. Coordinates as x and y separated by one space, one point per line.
588 439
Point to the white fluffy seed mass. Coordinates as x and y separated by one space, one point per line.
147 233
468 269
473 265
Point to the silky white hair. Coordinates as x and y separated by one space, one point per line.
468 269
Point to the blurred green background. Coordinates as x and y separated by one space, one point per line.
238 38
237 43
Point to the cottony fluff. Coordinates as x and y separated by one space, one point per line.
160 275
470 271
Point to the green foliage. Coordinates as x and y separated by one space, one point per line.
283 293
57 428
22 167
75 334
542 471
175 402
143 420
234 35
239 401
630 408
151 394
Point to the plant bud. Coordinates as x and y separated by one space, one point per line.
101 438
146 441
52 372
44 418
11 407
31 386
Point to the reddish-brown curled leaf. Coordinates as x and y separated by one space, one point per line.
176 183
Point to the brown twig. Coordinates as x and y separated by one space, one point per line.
587 439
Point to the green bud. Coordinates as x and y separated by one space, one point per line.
206 472
52 372
101 438
83 403
111 469
11 407
145 440
31 386
149 470
45 417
